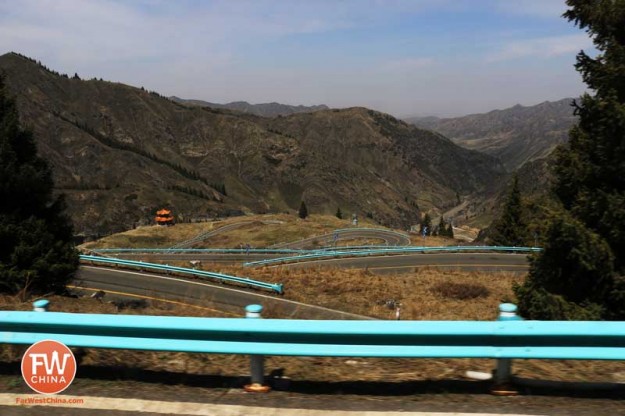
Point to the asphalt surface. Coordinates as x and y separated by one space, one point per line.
206 257
124 283
492 262
391 238
396 263
205 236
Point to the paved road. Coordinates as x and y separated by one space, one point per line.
206 257
380 264
392 238
206 235
152 286
410 262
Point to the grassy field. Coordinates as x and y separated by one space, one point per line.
258 231
426 294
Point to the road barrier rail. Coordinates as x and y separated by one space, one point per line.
347 230
505 339
200 250
322 254
223 278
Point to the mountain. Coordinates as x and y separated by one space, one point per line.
515 135
119 153
263 110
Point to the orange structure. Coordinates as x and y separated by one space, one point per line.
164 217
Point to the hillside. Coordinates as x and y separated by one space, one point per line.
263 110
515 135
120 152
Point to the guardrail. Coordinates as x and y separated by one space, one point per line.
345 230
320 254
508 338
275 287
201 250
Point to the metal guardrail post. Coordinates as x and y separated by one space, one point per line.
41 305
257 362
503 373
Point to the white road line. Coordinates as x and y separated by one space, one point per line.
201 409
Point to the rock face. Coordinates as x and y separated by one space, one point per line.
119 153
515 135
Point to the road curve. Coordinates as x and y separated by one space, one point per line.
198 292
392 238
410 262
206 235
206 257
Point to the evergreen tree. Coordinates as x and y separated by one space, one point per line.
581 271
339 214
36 250
510 228
303 211
442 231
426 224
450 231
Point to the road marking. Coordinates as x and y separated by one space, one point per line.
150 298
200 409
191 282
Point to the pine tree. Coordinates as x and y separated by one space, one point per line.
37 254
581 272
303 211
510 228
450 231
339 214
441 230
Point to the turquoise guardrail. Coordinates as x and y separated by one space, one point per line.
200 250
505 339
275 287
319 254
339 231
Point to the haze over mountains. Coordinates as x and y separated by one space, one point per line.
120 152
264 109
515 135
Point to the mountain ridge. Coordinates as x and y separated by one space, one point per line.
515 135
272 109
119 153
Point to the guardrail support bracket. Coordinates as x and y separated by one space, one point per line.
502 376
257 362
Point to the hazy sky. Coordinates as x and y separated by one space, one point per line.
405 57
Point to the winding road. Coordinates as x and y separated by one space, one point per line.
384 264
403 263
124 284
391 238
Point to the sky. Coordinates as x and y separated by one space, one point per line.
404 57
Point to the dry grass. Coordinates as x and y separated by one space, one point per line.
153 236
361 292
262 231
432 241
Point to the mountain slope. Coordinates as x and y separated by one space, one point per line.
119 153
263 110
515 135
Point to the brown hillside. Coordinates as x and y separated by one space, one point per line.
120 152
515 135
